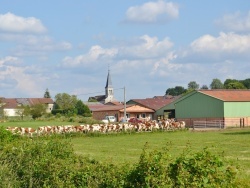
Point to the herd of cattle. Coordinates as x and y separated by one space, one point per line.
168 124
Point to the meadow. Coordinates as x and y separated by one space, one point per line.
233 144
121 148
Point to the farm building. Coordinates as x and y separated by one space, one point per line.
100 111
232 107
13 106
160 105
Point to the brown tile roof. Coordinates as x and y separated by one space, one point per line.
129 108
34 101
9 103
137 108
110 107
155 103
14 102
228 95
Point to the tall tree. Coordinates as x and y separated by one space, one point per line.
193 85
246 83
178 90
216 84
37 110
47 94
235 85
65 101
227 81
204 87
82 109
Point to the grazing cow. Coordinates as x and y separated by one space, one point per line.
26 131
182 124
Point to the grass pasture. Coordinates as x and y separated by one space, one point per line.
233 144
123 148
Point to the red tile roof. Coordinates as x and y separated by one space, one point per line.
110 107
155 103
228 95
14 102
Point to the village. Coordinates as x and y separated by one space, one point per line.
200 108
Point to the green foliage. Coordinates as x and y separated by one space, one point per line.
37 110
47 94
193 85
6 137
216 84
150 170
82 109
51 162
204 87
233 84
65 101
246 83
178 90
201 169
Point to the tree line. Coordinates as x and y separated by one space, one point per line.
215 84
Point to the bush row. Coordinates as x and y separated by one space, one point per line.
51 162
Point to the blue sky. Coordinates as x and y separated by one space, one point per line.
149 46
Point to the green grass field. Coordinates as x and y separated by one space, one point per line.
120 148
234 144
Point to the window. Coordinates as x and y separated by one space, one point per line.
143 115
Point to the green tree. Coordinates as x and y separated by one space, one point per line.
37 110
235 85
178 90
47 94
193 85
82 109
216 84
246 83
204 87
65 102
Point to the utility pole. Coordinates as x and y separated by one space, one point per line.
125 116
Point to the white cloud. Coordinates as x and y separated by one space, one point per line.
8 59
235 22
144 47
153 12
95 54
12 23
224 43
18 78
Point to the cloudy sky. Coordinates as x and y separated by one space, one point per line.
149 46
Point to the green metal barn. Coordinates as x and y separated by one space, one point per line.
232 107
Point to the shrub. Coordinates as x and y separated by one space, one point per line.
201 169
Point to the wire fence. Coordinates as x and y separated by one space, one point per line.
219 124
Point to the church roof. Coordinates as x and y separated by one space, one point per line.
109 82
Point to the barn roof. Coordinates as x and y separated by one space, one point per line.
15 102
129 108
228 95
156 102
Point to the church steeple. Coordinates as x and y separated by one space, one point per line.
109 90
109 82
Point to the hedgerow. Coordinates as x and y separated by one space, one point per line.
51 162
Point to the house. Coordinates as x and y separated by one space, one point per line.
13 106
131 110
209 105
157 104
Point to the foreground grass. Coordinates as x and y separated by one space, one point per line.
233 144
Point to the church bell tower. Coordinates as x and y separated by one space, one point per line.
109 90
